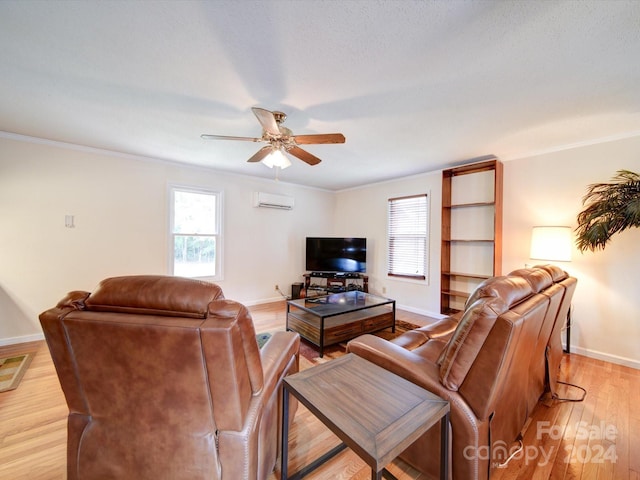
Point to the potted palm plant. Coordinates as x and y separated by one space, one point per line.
609 208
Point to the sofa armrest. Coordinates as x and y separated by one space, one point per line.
277 353
440 328
279 358
400 361
418 370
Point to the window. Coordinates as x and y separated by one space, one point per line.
196 239
408 233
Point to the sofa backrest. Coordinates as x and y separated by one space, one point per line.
499 288
557 274
143 353
154 295
554 344
492 298
511 404
541 281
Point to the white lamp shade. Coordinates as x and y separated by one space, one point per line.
551 243
276 159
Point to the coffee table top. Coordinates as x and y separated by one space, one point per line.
373 411
338 303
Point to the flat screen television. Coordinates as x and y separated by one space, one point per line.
336 254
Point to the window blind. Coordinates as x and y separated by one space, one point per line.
407 236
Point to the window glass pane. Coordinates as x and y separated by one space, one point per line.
196 244
194 256
194 213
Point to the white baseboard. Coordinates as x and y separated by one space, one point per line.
420 312
253 303
24 339
606 357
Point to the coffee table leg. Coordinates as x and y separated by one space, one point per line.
393 309
284 453
321 336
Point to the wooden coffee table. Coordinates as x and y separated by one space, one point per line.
339 317
373 411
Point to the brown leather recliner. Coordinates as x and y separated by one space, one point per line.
163 378
490 365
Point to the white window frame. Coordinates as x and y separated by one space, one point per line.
218 227
406 226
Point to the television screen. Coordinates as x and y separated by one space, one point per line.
341 254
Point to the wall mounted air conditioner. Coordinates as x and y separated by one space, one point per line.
271 200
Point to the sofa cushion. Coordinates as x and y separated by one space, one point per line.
154 295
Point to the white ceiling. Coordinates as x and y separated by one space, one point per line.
414 86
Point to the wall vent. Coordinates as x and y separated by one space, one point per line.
271 200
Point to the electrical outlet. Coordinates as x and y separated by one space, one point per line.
277 288
384 289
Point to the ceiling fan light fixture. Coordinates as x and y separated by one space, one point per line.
277 159
281 140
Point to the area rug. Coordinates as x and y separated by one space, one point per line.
311 353
262 338
12 369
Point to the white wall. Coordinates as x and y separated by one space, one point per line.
121 216
363 212
548 190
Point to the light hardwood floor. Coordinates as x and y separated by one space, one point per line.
598 438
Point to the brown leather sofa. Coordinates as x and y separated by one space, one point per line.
492 362
163 378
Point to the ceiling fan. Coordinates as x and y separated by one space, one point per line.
280 140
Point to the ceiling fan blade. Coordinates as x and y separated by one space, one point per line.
267 120
225 137
319 138
260 154
304 155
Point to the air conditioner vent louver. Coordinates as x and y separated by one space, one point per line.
270 200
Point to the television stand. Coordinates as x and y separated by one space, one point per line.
334 282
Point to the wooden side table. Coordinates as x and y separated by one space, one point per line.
376 413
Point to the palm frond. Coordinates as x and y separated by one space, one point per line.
610 208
